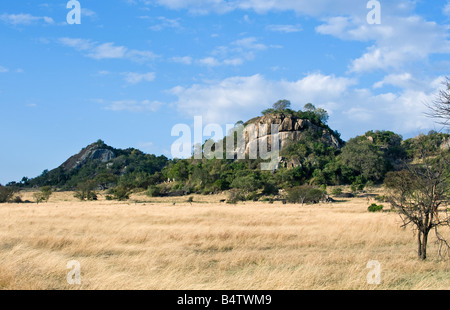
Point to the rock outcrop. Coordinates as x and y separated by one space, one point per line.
290 129
92 152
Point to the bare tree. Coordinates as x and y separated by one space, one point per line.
420 194
439 109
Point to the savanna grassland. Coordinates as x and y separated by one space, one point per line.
169 243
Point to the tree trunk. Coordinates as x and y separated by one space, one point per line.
423 241
419 243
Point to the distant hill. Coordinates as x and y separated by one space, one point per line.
101 162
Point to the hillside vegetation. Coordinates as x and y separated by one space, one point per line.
311 160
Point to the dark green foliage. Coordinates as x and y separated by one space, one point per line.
429 145
375 208
270 189
120 193
336 191
86 191
6 193
130 167
365 159
380 198
153 191
247 182
305 194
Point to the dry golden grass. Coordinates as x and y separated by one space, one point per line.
209 245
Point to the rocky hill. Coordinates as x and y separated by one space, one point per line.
291 129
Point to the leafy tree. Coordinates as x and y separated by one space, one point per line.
44 194
120 193
281 105
247 183
365 158
86 191
305 194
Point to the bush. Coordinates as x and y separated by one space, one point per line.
235 195
380 198
43 195
120 193
86 191
253 196
270 189
6 193
375 208
305 194
153 191
336 191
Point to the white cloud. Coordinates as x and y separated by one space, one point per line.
3 69
352 109
447 9
186 60
134 105
108 50
250 43
399 40
135 78
164 23
237 97
24 19
209 61
284 28
403 80
88 13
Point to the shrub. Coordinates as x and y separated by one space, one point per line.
253 196
336 191
6 193
43 195
305 194
120 193
375 208
380 198
86 191
236 195
153 191
270 189
17 199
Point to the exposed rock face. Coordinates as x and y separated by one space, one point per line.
92 152
445 144
290 129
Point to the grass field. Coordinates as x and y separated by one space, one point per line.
157 244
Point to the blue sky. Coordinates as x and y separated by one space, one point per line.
135 68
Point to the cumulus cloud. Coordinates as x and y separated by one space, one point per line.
352 109
238 97
399 40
